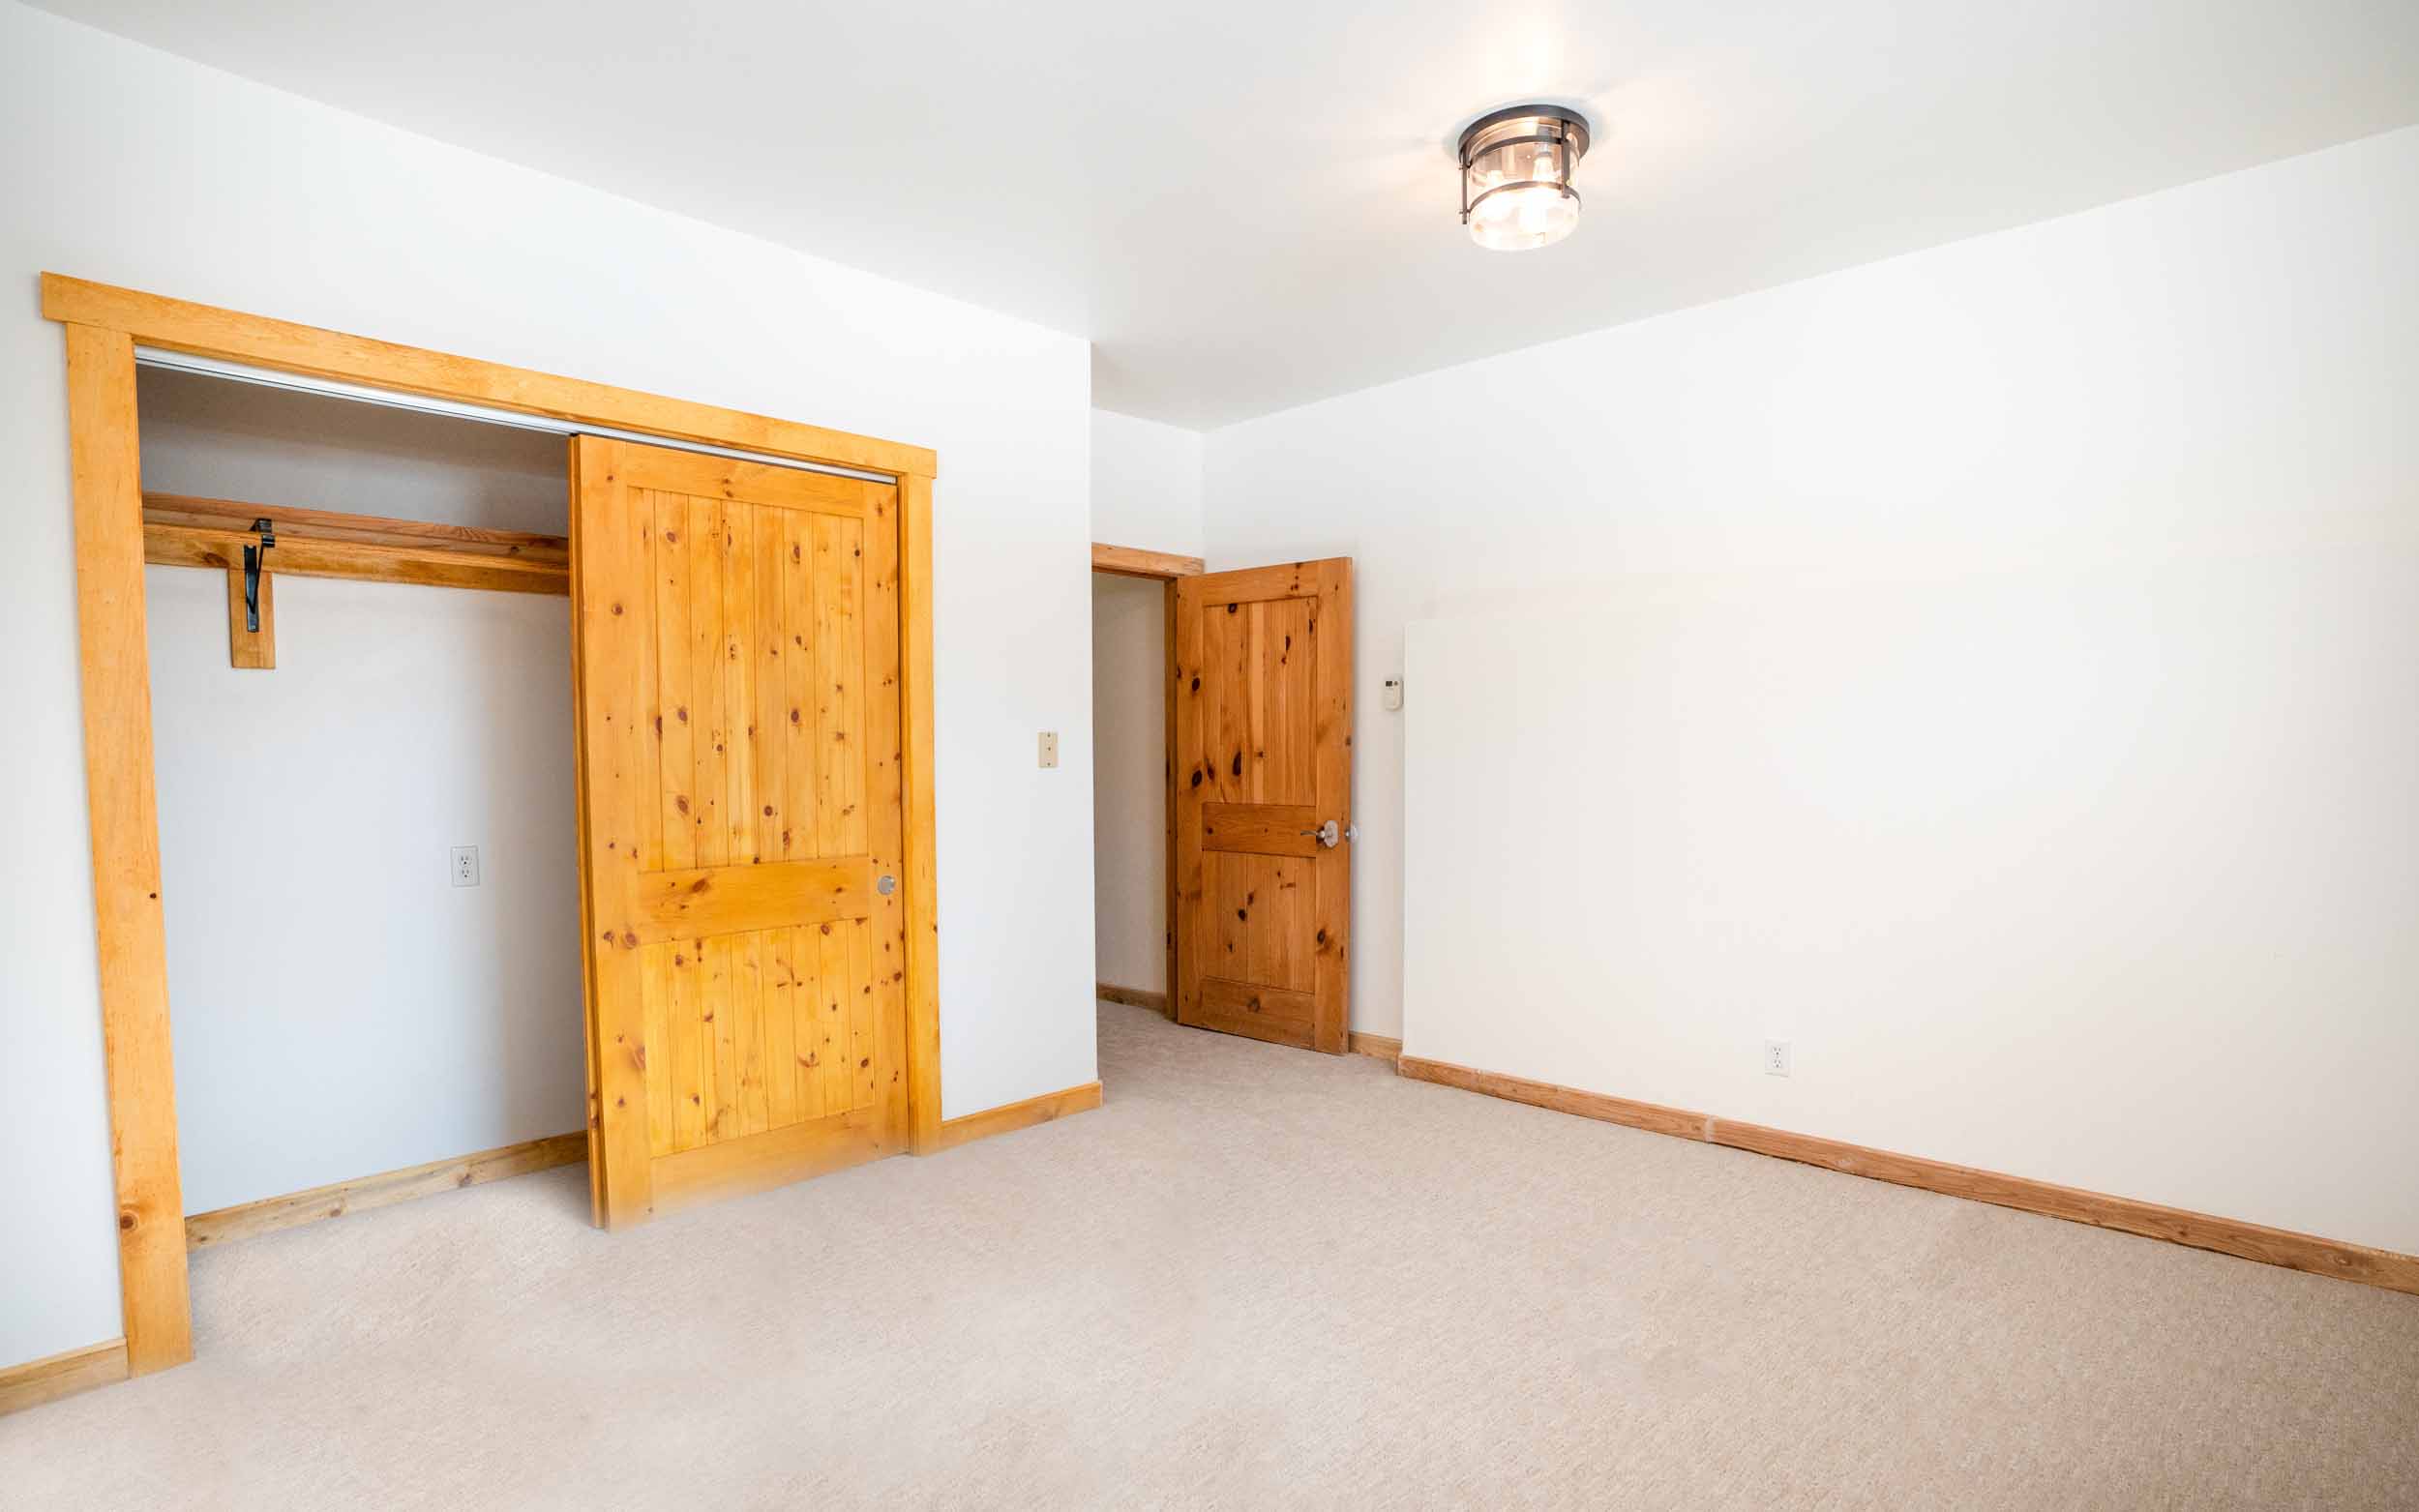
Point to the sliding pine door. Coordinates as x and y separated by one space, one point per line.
736 659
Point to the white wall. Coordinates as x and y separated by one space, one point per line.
129 167
2147 398
1145 484
341 1007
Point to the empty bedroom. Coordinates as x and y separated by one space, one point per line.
1649 755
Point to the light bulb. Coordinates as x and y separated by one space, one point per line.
1515 219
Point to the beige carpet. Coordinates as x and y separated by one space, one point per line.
1255 1277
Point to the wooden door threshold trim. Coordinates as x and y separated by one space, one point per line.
1012 1117
384 1189
2382 1268
62 1375
1131 561
1135 997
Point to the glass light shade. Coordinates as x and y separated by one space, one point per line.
1516 180
1529 215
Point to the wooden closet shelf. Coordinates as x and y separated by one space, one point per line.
183 531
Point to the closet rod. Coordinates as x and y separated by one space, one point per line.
427 404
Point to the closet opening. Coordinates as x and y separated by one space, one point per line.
619 463
360 652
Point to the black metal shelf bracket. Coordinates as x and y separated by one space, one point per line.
255 560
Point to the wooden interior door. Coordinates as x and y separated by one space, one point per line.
1262 663
737 660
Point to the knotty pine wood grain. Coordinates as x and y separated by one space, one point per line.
115 662
356 561
610 632
1261 667
765 676
320 525
922 879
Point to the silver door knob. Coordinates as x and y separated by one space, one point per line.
887 886
1331 833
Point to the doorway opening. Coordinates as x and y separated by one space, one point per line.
1133 610
1231 787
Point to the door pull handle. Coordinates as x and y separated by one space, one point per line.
1331 834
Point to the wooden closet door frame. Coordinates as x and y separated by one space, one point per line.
103 325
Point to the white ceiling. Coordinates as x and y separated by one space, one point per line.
1249 205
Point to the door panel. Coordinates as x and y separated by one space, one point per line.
737 659
1262 760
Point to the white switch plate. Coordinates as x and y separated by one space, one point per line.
1049 747
1392 688
465 866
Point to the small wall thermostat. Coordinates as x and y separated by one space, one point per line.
1393 688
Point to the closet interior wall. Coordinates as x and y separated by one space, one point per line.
343 1007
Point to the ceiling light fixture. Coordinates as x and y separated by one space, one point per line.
1515 176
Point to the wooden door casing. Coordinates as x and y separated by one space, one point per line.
1262 747
103 327
736 659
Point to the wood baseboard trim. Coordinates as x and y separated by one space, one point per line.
1135 997
384 1189
64 1375
2382 1268
1012 1117
1651 1116
1382 1046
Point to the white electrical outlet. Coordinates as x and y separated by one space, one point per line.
1049 747
1776 1057
465 866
